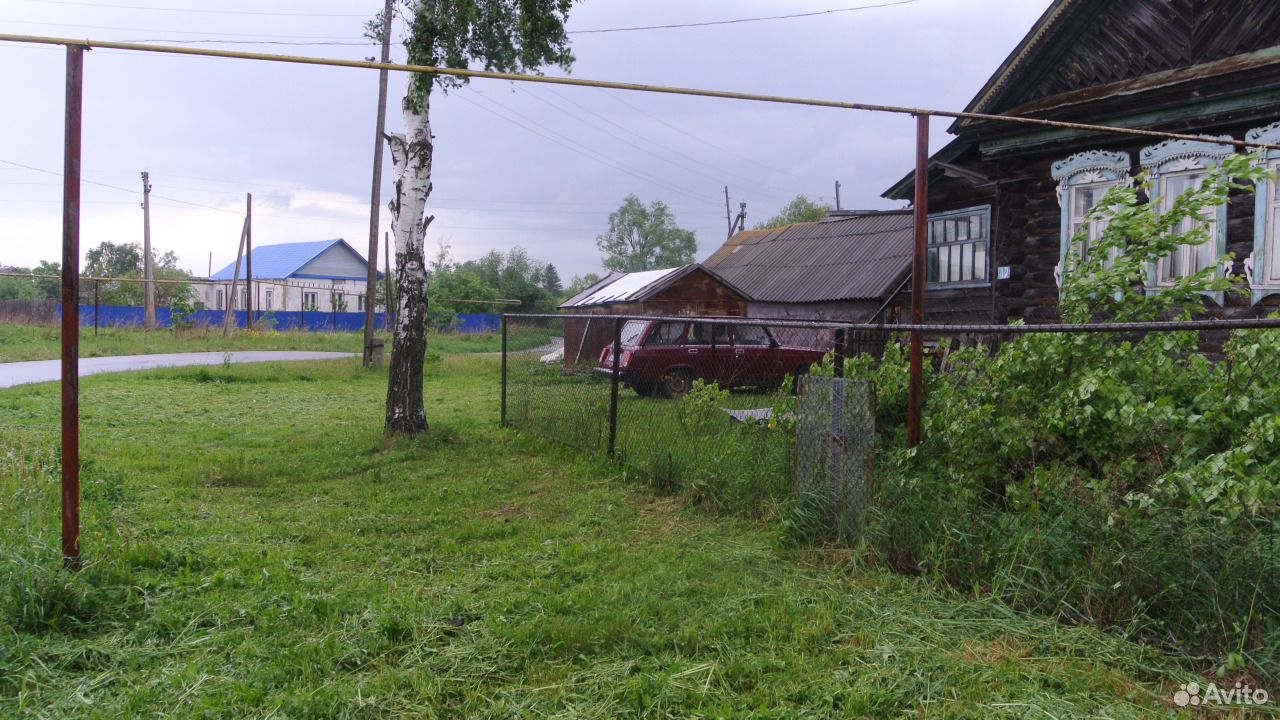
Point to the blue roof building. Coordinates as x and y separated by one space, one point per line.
320 260
322 276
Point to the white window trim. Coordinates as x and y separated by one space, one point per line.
985 212
1266 222
1173 157
1097 168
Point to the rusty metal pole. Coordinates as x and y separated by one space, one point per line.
915 405
613 388
97 305
71 309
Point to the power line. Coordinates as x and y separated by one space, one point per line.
201 10
736 21
569 144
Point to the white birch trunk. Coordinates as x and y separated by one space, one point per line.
411 153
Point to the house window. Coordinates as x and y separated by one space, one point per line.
221 300
270 297
244 297
1083 180
336 303
1176 167
1263 266
360 302
310 301
958 243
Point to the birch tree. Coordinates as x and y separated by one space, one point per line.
501 35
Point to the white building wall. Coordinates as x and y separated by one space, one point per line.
286 295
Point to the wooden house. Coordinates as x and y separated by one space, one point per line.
1005 199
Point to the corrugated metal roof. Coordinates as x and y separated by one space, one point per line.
277 262
639 286
856 258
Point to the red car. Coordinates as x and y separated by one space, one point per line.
667 356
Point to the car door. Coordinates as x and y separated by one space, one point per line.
754 358
708 352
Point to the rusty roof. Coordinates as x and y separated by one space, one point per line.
856 258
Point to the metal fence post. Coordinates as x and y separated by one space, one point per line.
841 349
97 304
915 400
503 421
613 387
71 309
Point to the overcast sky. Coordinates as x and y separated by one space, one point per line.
529 165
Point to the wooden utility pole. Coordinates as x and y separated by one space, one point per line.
386 279
248 261
375 195
229 315
838 208
148 269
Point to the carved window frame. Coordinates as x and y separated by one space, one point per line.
1098 168
1266 222
1175 157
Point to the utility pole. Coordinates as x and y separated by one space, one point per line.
375 195
248 261
742 217
148 272
838 208
386 278
728 214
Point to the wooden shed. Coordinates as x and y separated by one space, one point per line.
688 290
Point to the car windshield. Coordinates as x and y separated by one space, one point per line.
631 332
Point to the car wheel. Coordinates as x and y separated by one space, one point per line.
676 383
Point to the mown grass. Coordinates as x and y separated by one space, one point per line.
41 342
256 548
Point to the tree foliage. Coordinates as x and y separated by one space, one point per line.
644 237
31 288
124 260
499 35
459 288
580 283
800 210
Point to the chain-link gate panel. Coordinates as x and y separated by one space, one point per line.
835 444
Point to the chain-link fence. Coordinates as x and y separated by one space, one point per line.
703 407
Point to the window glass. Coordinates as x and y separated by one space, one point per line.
750 335
665 334
959 252
1187 259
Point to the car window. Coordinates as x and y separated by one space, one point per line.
667 333
708 334
751 335
631 331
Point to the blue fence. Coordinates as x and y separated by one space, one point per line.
311 321
478 324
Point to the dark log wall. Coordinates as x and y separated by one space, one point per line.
1028 227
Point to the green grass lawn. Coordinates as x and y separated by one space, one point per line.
41 342
255 548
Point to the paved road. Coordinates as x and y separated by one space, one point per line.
24 373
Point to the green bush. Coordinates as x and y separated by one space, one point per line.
1127 482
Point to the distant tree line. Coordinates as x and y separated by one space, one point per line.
109 260
472 286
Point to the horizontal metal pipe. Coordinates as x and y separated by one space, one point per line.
635 87
934 329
